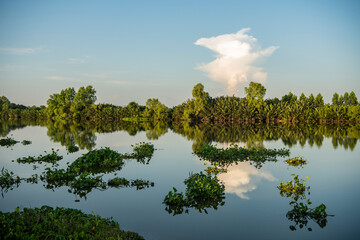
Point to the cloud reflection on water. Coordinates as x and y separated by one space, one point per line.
243 178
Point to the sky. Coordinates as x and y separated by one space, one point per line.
135 50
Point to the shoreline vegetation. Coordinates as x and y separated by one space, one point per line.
80 105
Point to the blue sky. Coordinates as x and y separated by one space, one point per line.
135 50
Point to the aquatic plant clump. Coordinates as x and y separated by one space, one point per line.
296 161
57 177
8 181
59 223
295 188
7 142
202 191
52 157
26 142
72 148
143 151
98 161
123 182
236 153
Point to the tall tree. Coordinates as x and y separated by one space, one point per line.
255 91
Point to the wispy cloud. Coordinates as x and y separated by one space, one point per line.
129 83
19 51
62 78
237 58
79 60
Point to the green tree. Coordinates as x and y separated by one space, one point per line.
353 99
335 99
255 91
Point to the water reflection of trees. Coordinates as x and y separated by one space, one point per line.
253 135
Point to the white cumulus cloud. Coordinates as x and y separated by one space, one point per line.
238 55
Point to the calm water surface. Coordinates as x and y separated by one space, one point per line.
254 208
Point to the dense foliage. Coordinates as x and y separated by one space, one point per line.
59 223
69 104
202 191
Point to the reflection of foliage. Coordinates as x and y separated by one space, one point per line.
202 191
123 182
254 134
8 142
295 188
8 180
301 214
82 133
296 161
234 153
71 133
52 157
59 223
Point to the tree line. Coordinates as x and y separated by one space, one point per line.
71 104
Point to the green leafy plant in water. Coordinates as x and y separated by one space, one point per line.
57 177
295 188
8 142
52 158
85 183
118 182
123 182
72 148
59 223
235 153
202 191
102 160
26 142
215 169
296 161
143 151
8 181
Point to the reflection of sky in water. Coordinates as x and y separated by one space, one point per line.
243 178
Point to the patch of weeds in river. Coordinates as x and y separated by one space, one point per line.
52 158
123 182
85 183
59 223
57 177
72 148
143 152
202 191
26 142
215 169
8 142
102 160
296 161
235 153
295 188
8 181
